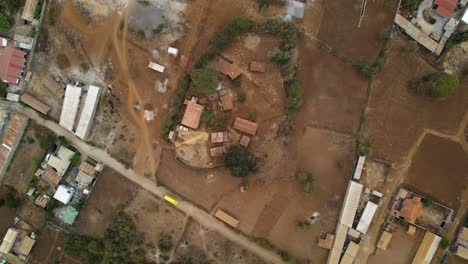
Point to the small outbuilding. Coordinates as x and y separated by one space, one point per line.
218 151
42 201
192 115
244 141
9 241
35 104
24 247
326 242
219 137
173 51
384 240
245 126
226 102
156 67
228 68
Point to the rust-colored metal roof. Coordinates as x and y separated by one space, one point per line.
12 62
219 137
244 141
192 115
53 86
87 168
52 176
446 7
42 201
245 125
34 103
226 101
256 66
412 209
228 68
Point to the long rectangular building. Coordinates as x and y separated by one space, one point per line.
89 109
427 249
35 104
70 107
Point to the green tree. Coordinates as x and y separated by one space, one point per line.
10 6
240 161
427 202
204 82
5 22
46 141
11 201
208 118
165 243
438 85
263 3
444 243
3 89
295 94
75 159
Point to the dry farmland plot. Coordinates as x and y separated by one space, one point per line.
112 190
334 92
440 169
6 214
339 26
48 249
396 116
153 216
199 241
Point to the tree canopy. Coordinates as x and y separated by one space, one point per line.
204 82
439 85
5 22
240 161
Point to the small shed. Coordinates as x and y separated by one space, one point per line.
220 214
384 240
226 102
42 201
411 230
244 141
156 67
24 247
13 97
326 242
218 151
245 126
219 137
51 176
256 66
228 68
173 51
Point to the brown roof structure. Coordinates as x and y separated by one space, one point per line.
326 242
87 168
52 176
228 68
218 151
226 218
384 240
412 209
12 62
244 141
226 102
219 137
53 86
15 126
34 103
42 201
245 125
192 115
256 66
445 7
29 8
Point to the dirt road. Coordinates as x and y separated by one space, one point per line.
202 217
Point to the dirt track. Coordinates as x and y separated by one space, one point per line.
202 217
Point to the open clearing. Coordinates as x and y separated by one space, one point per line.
7 214
49 249
439 169
396 116
112 191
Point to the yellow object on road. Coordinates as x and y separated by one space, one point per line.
170 199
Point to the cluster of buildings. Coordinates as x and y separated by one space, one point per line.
17 245
445 16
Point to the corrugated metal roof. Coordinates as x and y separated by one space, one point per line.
427 249
367 217
359 167
416 33
89 109
462 252
351 202
70 107
9 240
34 103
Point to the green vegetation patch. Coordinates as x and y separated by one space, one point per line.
438 85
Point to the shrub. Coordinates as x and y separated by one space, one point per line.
385 35
11 201
170 118
10 6
295 94
237 82
241 98
444 243
263 3
165 243
3 89
432 20
307 181
5 22
75 159
203 82
208 118
281 58
363 145
38 10
438 85
240 161
363 68
427 202
46 141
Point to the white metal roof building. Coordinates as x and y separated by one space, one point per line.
156 67
87 114
172 51
64 194
340 238
9 240
70 106
359 167
465 16
367 216
351 203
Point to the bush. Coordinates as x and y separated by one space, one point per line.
203 82
240 161
307 181
438 85
237 82
241 98
363 145
38 10
5 22
3 89
165 243
10 6
427 202
11 201
46 141
263 3
444 243
432 20
281 58
385 35
363 68
208 118
295 94
171 117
